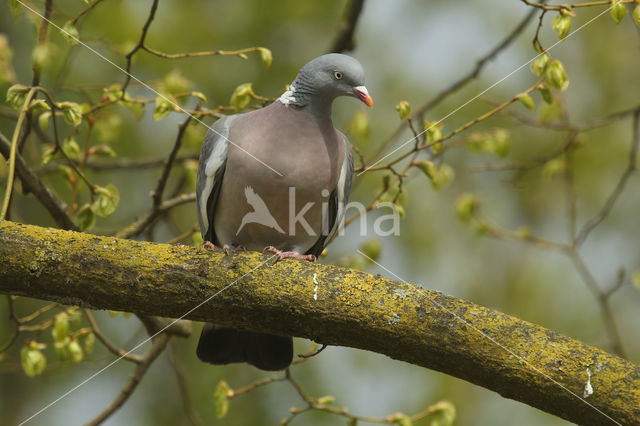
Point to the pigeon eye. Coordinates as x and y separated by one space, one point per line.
337 75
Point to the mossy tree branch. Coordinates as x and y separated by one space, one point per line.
519 360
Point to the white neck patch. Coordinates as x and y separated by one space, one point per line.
287 97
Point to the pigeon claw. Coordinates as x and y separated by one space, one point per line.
288 254
209 245
227 248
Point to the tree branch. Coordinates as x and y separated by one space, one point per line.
54 206
517 359
460 83
159 345
344 39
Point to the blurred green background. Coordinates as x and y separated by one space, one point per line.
410 49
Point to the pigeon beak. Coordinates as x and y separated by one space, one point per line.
362 93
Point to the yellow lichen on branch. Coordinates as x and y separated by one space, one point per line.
515 358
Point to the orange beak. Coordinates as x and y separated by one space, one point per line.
362 93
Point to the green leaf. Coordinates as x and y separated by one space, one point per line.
43 120
221 399
553 168
433 130
326 400
108 127
440 176
197 239
500 142
67 172
200 96
427 167
190 173
444 414
359 126
103 150
636 14
71 148
32 359
547 96
112 93
556 75
89 342
106 202
266 56
72 112
62 349
241 96
618 11
539 65
39 105
175 83
404 109
42 55
443 177
15 8
75 351
523 232
466 206
162 109
372 248
136 108
70 32
561 24
402 420
75 317
352 422
496 141
550 111
86 219
17 95
636 279
47 154
527 101
60 329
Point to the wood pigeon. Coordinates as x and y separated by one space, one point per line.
292 203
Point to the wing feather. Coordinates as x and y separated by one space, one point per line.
337 200
211 168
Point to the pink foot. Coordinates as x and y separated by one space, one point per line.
289 254
209 245
229 248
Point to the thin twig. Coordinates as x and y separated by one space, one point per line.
138 46
121 353
54 206
464 80
619 188
140 225
544 6
85 11
14 152
160 343
603 301
121 163
181 378
455 132
162 181
239 52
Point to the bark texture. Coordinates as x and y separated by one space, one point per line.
328 304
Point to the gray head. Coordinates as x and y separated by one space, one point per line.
325 78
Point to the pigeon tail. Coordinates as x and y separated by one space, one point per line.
222 346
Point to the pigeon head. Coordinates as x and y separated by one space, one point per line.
325 78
